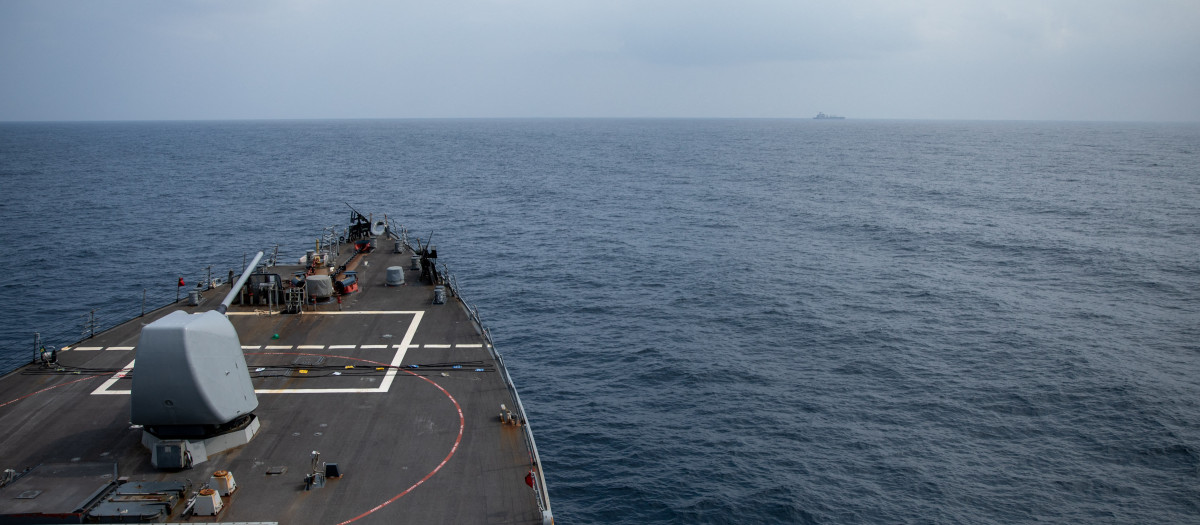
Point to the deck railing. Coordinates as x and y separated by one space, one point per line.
77 329
535 461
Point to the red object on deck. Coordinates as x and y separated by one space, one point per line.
181 281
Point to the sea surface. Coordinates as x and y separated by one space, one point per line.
713 321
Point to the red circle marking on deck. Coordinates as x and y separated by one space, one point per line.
453 449
6 403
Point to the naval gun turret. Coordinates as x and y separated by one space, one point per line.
191 388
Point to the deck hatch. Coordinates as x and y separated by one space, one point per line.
309 360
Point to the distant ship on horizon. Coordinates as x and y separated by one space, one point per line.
822 116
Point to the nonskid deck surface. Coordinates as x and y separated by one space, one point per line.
402 394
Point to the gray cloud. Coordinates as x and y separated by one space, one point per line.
1011 59
690 33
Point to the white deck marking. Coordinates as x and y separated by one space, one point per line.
103 389
120 348
88 348
437 346
384 385
364 312
388 376
468 345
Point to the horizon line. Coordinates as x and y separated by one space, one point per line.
333 119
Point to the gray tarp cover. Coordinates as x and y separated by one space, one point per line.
320 286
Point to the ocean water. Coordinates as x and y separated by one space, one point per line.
714 321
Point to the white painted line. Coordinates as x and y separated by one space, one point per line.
371 312
342 347
372 347
310 347
366 312
388 377
437 346
399 357
120 348
88 348
471 345
383 387
103 389
253 347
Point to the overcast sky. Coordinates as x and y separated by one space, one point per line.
922 59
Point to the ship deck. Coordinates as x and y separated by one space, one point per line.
402 394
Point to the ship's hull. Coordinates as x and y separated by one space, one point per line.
401 394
